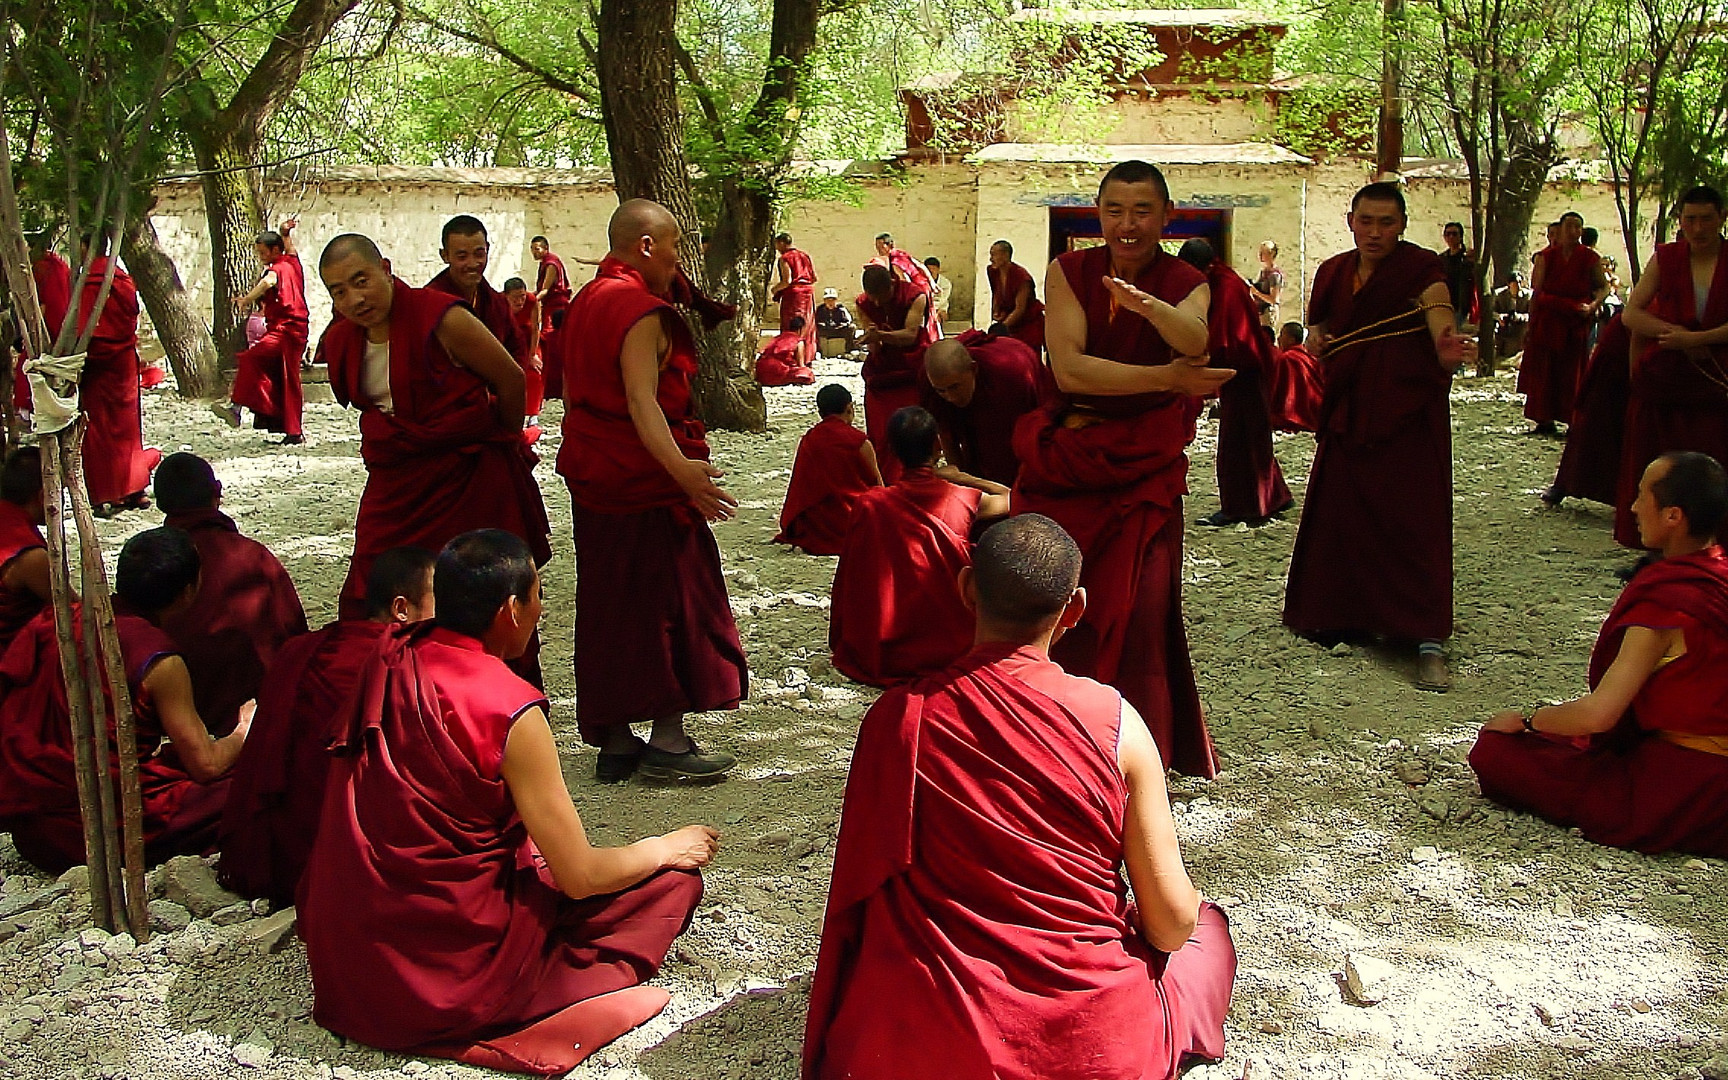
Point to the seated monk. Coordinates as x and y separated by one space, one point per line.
1298 382
835 465
895 610
488 929
246 607
181 769
24 589
1641 761
979 388
277 789
978 924
785 361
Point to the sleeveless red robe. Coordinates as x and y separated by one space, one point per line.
18 534
777 364
1011 382
893 376
978 924
533 366
1374 550
1555 346
828 476
1117 488
267 379
116 464
556 308
1004 288
799 298
1250 483
1590 464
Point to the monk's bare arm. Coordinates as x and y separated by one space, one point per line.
535 779
1641 650
1598 289
1538 271
992 504
1183 325
640 360
533 339
871 465
1454 351
1022 305
29 572
471 345
1078 373
170 687
286 232
265 284
1168 903
782 278
907 335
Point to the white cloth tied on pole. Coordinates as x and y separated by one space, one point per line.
51 412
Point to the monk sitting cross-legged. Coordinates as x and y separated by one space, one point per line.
277 790
895 610
181 769
835 466
1641 761
24 588
785 361
978 925
246 607
453 905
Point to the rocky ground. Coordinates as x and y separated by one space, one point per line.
1345 833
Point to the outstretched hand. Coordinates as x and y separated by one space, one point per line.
712 501
1455 351
1190 375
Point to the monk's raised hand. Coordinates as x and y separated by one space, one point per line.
1129 297
691 847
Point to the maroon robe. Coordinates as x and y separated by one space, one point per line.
439 464
798 300
893 376
1116 486
18 534
1250 483
245 610
978 924
1678 403
895 610
828 476
1297 389
1005 288
38 789
116 464
533 367
777 364
431 924
277 787
493 310
654 629
555 308
1590 464
1012 381
267 379
918 276
1632 788
1556 344
53 277
1374 549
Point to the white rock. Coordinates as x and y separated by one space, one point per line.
92 937
1366 979
119 947
1425 854
251 1055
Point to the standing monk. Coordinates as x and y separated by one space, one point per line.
895 336
440 405
655 638
267 380
526 311
552 292
1678 315
116 464
1596 437
980 387
794 276
1568 291
1374 550
1014 305
905 268
465 249
1126 330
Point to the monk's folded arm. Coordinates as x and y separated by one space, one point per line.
468 342
169 685
1637 315
1168 903
536 781
1184 325
1640 651
1076 372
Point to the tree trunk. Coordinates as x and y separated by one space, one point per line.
1389 146
1530 153
234 212
184 336
728 387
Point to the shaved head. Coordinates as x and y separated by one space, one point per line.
1025 570
350 244
635 219
947 358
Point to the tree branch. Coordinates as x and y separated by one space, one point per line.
489 41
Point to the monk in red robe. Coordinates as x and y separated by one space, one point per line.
795 278
979 386
978 924
1595 439
552 292
526 311
440 405
246 607
1126 333
1567 290
267 380
53 277
276 792
895 610
1374 551
896 333
835 465
1297 384
904 267
24 582
1678 316
453 905
116 463
1250 483
181 769
655 638
1014 305
1641 761
785 361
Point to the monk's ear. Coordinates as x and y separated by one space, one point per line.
386 265
1072 613
969 589
400 610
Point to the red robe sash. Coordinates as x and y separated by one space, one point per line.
439 464
777 364
1297 390
1250 483
1590 464
895 609
1556 343
828 477
1011 382
1004 290
116 465
18 534
978 916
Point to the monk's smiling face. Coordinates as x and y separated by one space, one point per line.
360 290
466 257
538 249
1000 256
1132 217
1377 224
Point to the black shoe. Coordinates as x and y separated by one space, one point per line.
1554 496
1546 427
617 768
692 764
1217 520
292 440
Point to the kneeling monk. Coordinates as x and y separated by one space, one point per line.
453 905
785 361
835 465
978 925
277 790
181 768
1641 761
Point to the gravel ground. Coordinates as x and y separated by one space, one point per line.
1345 830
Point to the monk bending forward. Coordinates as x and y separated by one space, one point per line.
453 905
1641 761
978 925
